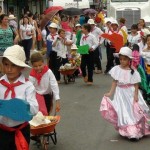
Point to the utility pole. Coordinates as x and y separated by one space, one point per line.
77 3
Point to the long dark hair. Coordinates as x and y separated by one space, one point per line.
143 22
2 17
24 18
132 70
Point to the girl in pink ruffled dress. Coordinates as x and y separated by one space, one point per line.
127 111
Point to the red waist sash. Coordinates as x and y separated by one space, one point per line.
20 141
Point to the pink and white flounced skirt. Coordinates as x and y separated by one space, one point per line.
133 123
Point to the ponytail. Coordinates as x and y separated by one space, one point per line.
132 70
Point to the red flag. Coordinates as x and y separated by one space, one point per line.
116 39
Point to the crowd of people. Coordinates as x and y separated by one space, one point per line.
23 41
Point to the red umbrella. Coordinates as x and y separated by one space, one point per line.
53 8
48 17
116 39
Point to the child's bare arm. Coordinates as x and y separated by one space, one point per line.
136 92
112 90
57 108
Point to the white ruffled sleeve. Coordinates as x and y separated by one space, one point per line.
114 72
135 78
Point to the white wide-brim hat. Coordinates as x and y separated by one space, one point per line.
107 20
16 55
126 51
91 21
73 46
114 22
53 25
11 17
78 25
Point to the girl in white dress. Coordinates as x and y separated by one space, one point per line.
127 111
134 37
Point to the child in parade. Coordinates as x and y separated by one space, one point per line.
145 54
97 53
123 29
52 52
14 85
142 44
106 30
111 49
44 81
78 30
60 45
128 110
122 25
134 37
87 60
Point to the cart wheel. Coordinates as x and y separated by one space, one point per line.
66 79
44 142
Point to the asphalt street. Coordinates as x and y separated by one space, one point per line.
81 126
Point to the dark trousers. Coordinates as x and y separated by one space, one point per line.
27 44
87 61
60 61
48 102
97 60
107 50
117 61
55 63
7 139
52 61
110 57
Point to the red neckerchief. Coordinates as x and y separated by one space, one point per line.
53 36
10 87
38 76
20 140
85 37
113 30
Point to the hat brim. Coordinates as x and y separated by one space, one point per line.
11 18
114 24
16 61
78 26
92 23
117 55
52 27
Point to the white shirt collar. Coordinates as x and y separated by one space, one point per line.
21 78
